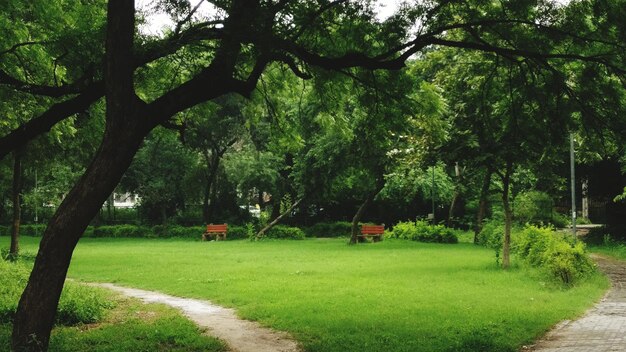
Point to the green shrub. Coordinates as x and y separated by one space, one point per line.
423 232
567 262
561 255
178 231
329 229
78 304
236 232
31 230
533 207
285 232
5 230
491 236
81 304
121 231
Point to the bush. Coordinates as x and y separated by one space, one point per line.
423 232
81 304
236 232
78 304
285 232
329 229
121 231
178 231
533 207
561 255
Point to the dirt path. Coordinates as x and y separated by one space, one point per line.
602 328
240 335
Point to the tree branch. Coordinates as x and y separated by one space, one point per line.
44 122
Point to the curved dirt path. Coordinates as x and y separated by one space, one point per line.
240 335
602 328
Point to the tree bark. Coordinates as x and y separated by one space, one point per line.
456 198
482 204
277 220
123 135
357 218
361 210
508 216
17 208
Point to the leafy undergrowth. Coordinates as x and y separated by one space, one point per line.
614 249
394 295
130 326
93 319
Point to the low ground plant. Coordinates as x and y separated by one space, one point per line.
285 232
129 326
329 229
422 231
79 304
564 257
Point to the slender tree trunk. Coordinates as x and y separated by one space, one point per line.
123 135
508 216
110 208
212 164
482 204
277 220
213 193
17 208
361 210
456 198
357 218
205 203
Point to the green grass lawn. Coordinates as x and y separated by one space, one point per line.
616 250
388 296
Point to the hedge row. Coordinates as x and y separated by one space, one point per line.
162 231
423 232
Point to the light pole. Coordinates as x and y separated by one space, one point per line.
432 194
573 182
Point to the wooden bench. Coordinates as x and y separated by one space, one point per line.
373 231
219 231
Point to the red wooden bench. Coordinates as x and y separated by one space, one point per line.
373 231
219 231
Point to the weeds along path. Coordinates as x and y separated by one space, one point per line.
240 335
603 327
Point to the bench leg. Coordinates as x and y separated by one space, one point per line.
204 236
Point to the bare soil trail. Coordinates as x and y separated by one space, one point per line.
240 335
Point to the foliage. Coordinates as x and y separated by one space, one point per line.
422 231
158 175
167 231
563 257
121 231
329 229
534 207
491 237
285 232
79 304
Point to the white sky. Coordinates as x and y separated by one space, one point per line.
156 22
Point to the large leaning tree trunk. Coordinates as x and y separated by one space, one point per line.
482 204
508 215
123 136
17 207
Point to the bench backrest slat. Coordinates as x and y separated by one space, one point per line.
217 228
373 229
